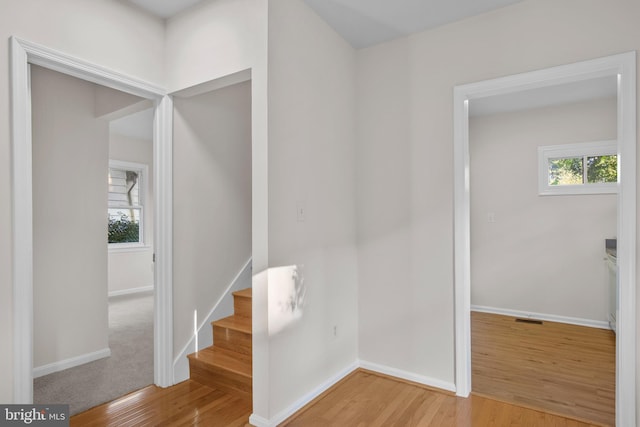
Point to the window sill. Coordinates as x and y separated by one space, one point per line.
573 190
123 248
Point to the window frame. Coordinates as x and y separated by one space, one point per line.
580 149
142 170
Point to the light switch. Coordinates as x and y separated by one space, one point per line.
491 217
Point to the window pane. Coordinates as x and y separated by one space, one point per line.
602 169
123 187
565 171
124 225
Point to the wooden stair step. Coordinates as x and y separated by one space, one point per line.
243 293
229 360
242 302
233 333
233 322
222 369
227 364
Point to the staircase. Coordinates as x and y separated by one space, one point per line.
226 365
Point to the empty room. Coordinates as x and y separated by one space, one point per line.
377 213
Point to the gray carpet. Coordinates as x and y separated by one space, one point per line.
129 368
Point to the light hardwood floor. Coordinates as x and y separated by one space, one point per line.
560 368
369 399
186 404
361 399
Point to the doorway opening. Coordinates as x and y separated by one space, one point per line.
24 54
92 245
622 69
212 213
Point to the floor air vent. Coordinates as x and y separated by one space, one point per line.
531 321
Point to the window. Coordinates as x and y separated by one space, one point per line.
582 168
126 204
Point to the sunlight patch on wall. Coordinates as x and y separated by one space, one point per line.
286 292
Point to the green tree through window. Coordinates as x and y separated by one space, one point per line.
565 171
602 169
571 171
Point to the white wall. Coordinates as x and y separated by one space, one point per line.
213 39
405 157
103 31
311 160
212 201
132 268
393 303
70 159
543 254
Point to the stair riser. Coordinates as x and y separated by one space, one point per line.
220 378
242 306
230 339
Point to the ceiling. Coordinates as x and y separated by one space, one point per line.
365 23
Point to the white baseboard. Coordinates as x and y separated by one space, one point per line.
259 421
409 376
600 324
61 365
131 291
222 308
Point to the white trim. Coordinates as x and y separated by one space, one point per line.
626 246
623 66
258 421
409 376
462 244
22 230
163 241
72 362
580 149
304 400
131 291
599 324
126 248
76 67
24 53
242 280
132 166
129 246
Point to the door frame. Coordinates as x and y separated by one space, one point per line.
23 53
622 66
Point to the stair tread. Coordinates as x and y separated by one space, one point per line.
245 293
235 322
229 360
